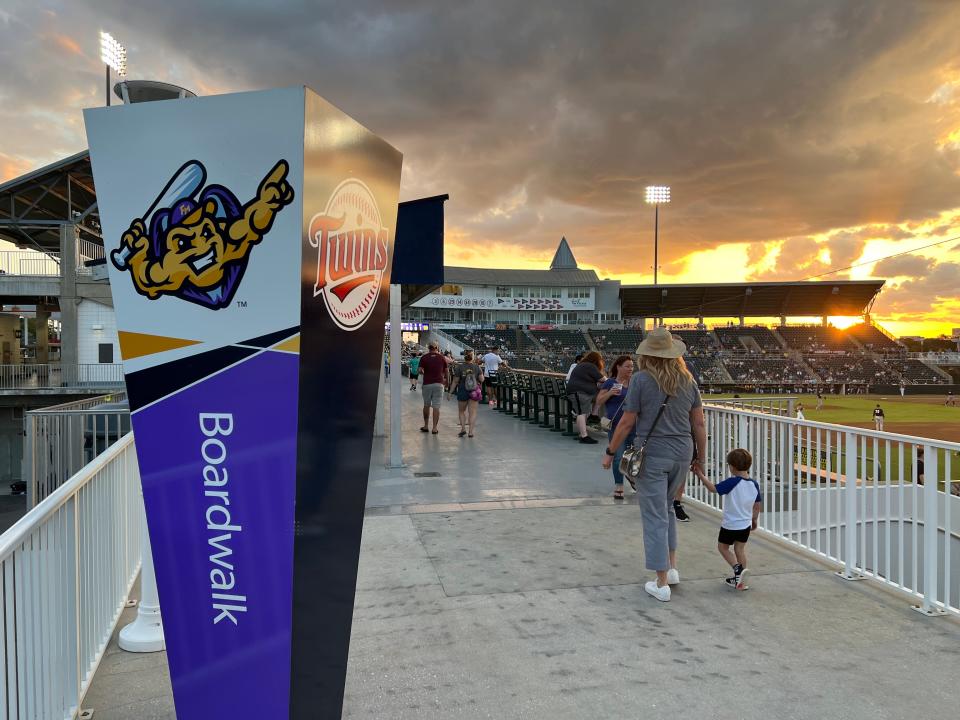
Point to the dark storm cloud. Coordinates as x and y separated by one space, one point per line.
770 120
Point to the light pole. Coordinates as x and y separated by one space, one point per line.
114 55
657 195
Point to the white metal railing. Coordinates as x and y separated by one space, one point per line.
774 405
66 569
938 358
878 504
60 440
28 262
42 376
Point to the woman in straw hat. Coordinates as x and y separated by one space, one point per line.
662 380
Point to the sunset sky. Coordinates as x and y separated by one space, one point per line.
797 136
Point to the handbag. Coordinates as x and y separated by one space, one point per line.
606 423
631 464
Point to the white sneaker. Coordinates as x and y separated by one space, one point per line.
660 593
673 576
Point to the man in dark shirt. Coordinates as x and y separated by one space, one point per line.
434 370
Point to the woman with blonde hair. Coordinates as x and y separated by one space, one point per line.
663 405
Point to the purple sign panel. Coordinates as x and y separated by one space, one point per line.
248 245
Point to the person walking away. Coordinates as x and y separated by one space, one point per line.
433 368
663 407
448 376
582 389
819 400
491 365
611 397
576 361
878 417
741 508
467 379
414 370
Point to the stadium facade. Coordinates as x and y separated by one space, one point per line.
484 298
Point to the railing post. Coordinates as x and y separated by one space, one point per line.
145 634
931 534
850 495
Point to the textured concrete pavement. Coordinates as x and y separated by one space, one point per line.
501 588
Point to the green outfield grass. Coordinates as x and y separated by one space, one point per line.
857 410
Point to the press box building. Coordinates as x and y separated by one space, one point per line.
480 297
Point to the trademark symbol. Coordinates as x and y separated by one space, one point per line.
241 303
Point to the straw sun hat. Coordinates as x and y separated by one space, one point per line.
660 343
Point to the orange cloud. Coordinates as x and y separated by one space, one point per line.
12 167
66 43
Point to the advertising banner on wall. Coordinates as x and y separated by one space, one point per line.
248 239
489 303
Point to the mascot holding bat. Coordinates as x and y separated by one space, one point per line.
194 241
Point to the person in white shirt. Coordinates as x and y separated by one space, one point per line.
491 365
576 361
800 415
741 508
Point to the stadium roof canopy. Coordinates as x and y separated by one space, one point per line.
35 205
489 276
777 299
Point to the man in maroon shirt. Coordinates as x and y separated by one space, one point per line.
434 370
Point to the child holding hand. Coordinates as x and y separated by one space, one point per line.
741 507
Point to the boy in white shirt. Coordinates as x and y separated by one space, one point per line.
741 508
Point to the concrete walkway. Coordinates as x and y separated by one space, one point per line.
499 590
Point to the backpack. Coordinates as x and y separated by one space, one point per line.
469 380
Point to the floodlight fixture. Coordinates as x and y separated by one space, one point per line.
114 56
658 194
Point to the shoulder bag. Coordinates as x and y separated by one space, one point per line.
631 464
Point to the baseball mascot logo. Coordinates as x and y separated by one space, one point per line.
194 242
351 244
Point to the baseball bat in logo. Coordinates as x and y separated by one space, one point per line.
352 247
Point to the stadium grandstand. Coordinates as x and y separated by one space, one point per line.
738 335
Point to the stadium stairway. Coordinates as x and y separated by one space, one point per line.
590 343
779 338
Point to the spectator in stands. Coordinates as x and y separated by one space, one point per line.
434 370
611 397
576 361
662 386
414 369
582 389
467 381
491 365
878 417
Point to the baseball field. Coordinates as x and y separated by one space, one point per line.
920 415
923 416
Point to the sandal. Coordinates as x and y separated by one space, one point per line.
618 494
434 432
461 433
424 429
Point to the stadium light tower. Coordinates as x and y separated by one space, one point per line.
114 55
657 195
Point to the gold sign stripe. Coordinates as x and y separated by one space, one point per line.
134 345
289 345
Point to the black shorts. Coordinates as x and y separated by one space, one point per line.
490 380
729 537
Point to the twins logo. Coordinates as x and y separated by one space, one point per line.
352 253
194 242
